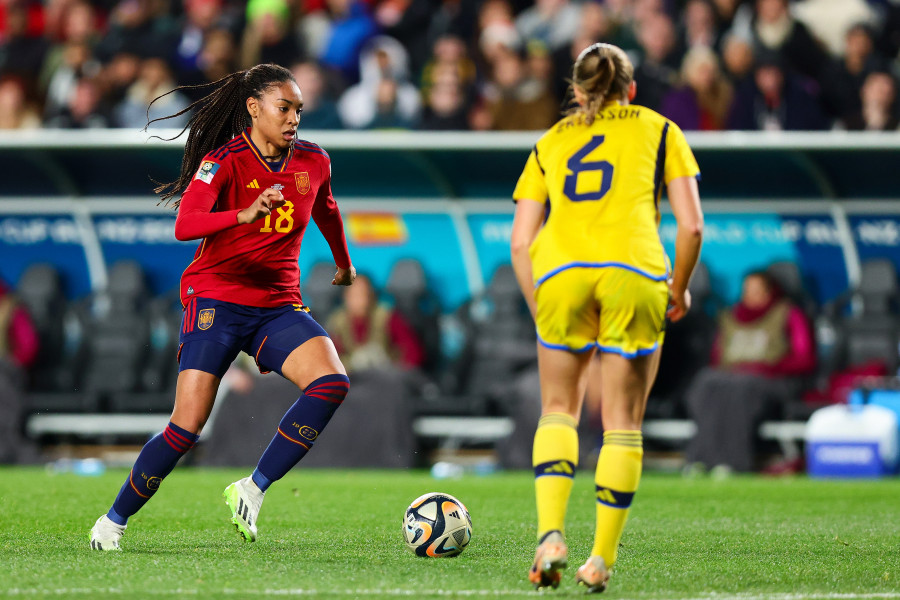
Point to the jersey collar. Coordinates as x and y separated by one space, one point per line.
278 167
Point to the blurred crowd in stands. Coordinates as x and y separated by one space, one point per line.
454 64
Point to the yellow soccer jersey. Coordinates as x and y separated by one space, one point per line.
602 183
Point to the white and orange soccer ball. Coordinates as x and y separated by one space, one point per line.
437 524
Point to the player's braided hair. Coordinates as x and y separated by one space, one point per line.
604 73
219 116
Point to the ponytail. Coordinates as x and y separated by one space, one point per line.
219 116
603 72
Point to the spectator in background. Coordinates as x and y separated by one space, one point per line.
154 80
737 58
516 99
77 28
828 20
268 37
217 59
408 22
383 59
654 74
703 102
445 104
76 63
200 18
457 18
497 32
763 348
370 335
595 24
845 76
18 351
878 111
774 30
698 27
116 77
351 26
84 109
553 23
387 108
726 12
775 101
319 108
135 27
15 110
22 48
450 58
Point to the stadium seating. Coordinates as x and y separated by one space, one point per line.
318 294
414 300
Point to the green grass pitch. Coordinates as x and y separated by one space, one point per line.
336 534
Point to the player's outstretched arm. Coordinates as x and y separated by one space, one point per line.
526 225
684 197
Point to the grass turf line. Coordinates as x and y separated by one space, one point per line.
336 534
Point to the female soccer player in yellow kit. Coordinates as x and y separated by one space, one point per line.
587 255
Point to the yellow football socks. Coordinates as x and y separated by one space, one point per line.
555 457
617 477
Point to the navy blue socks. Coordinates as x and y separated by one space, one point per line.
156 460
300 427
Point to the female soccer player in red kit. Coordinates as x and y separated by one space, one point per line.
249 188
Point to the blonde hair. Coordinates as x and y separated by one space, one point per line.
603 72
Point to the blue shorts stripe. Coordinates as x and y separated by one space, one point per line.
599 265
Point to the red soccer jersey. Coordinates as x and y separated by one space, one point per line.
256 264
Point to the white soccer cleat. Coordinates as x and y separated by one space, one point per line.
105 534
244 499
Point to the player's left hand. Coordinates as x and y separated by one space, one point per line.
344 276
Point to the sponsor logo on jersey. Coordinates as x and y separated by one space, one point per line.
253 185
277 187
205 319
302 180
190 290
207 171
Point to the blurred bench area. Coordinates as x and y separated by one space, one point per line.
446 359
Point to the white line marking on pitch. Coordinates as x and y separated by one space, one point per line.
418 593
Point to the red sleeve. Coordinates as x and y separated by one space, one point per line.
404 338
801 358
23 338
195 218
327 216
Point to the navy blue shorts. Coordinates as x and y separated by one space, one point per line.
213 332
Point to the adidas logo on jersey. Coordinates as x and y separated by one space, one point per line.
253 184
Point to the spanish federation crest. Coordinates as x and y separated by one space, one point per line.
302 180
205 319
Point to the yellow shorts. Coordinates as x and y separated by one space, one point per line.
609 308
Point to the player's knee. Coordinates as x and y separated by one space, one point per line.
332 388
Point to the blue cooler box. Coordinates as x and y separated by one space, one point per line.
852 441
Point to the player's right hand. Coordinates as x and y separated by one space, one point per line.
679 304
262 207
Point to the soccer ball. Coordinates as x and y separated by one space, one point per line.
437 524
